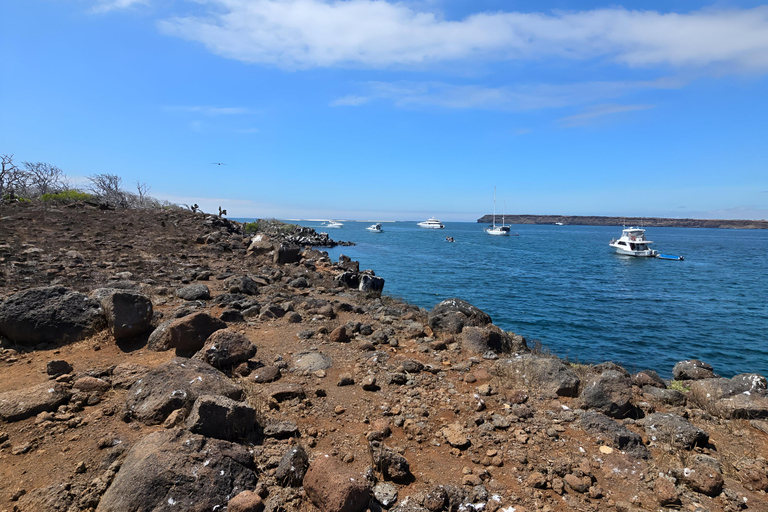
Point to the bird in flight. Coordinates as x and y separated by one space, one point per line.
218 163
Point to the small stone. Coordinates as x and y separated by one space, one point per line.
81 468
606 450
385 493
345 379
339 410
369 383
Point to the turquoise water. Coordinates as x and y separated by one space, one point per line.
564 286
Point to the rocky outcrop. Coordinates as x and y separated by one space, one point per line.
225 349
177 470
693 369
610 394
743 396
187 334
614 434
673 429
175 385
451 315
23 403
52 314
222 418
547 374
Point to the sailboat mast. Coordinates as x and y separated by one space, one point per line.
494 206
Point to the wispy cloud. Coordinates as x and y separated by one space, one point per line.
511 98
597 111
210 111
373 33
113 5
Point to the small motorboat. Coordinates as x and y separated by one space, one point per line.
432 223
333 224
449 239
669 257
633 243
375 228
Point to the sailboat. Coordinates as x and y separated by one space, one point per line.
497 230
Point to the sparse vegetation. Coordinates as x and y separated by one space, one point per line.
251 227
677 385
67 197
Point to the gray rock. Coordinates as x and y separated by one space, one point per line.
128 313
311 361
264 374
299 282
280 429
743 396
177 470
692 369
225 349
197 291
666 396
614 433
186 334
648 378
385 493
674 430
452 315
348 279
480 340
242 284
292 468
271 311
22 403
391 464
222 418
176 385
283 392
286 254
371 284
49 315
610 393
57 367
549 374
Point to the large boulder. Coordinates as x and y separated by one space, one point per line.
52 314
674 430
128 313
241 284
547 374
610 393
293 467
334 487
20 404
222 418
452 315
286 254
743 396
614 434
177 470
480 340
186 334
176 385
225 349
371 284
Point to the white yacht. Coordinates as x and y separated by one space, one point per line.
375 228
497 230
333 224
432 223
633 243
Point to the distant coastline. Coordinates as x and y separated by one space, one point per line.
650 222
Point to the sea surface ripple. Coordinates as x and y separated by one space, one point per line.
563 286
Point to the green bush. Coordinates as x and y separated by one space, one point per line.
67 196
251 227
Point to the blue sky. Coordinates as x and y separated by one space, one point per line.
398 111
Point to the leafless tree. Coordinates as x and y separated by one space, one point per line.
143 189
44 178
12 179
107 187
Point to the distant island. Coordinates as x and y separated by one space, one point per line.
651 222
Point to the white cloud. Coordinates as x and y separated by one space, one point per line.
510 98
379 34
113 5
592 113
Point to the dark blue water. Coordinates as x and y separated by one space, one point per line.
564 286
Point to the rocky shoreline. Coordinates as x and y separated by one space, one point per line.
650 222
159 360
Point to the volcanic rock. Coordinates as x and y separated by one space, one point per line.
186 334
452 315
23 403
225 349
333 487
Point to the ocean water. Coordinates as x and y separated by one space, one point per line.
563 286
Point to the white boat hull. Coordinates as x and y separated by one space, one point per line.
497 231
647 253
